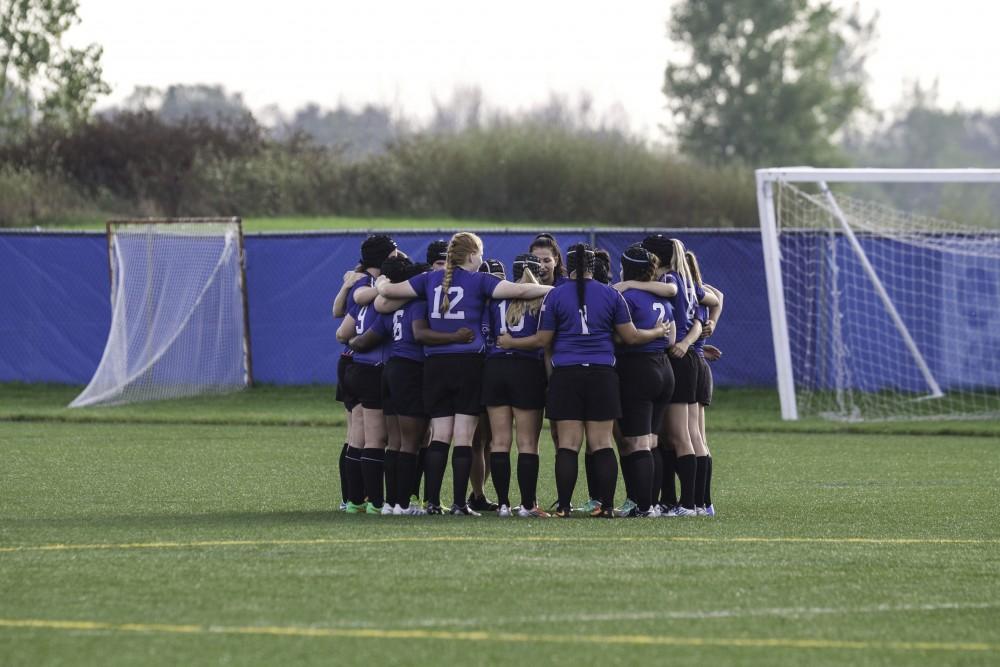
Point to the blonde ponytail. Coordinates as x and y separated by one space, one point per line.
518 307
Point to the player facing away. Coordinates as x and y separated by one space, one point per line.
681 422
646 383
578 320
374 251
456 298
514 394
703 456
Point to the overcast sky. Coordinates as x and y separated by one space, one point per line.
402 53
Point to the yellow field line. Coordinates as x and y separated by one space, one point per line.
481 636
509 538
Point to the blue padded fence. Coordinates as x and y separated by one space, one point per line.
55 311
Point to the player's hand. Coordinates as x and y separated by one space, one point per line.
712 353
664 327
671 327
621 287
352 277
708 328
464 335
380 284
504 341
678 350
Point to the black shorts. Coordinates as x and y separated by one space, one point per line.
706 385
646 384
403 387
515 381
685 378
453 384
365 382
583 393
343 395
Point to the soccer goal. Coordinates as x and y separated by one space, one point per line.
879 312
179 320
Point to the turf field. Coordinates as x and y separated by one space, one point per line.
205 532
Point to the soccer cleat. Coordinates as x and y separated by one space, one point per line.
386 510
397 510
600 513
343 506
482 504
504 511
463 510
710 510
371 509
432 509
700 511
563 512
354 509
589 506
664 509
627 508
414 510
535 511
680 510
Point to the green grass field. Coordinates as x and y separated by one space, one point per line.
205 531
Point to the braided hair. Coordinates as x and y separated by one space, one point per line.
580 260
638 264
460 248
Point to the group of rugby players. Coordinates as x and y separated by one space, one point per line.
451 354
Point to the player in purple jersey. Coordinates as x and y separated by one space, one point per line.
681 422
551 270
514 394
375 250
402 380
646 383
455 298
578 320
709 316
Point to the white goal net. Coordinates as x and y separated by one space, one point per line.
888 314
178 324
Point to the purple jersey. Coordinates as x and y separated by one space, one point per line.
526 326
646 309
366 318
403 343
685 302
364 281
467 296
701 314
583 335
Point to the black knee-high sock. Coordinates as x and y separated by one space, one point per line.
391 477
372 460
500 467
461 468
435 463
700 475
406 470
606 471
657 474
592 486
668 490
626 466
642 478
708 482
342 468
566 471
527 479
421 457
355 478
687 471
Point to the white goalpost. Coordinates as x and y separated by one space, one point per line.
179 318
878 312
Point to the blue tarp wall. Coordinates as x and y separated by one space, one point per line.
55 311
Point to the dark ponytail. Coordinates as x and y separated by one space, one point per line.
580 255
